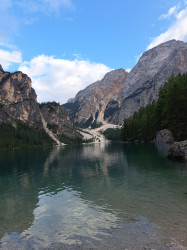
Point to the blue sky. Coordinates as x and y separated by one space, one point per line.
64 45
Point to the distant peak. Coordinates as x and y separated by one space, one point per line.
171 42
165 46
121 70
115 73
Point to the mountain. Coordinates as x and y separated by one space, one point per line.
97 103
18 99
116 97
120 94
22 116
153 69
57 120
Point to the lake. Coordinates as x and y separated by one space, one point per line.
95 196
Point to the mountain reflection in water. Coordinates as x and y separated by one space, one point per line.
86 194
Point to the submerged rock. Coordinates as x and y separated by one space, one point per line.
178 150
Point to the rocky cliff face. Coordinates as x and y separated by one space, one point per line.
97 103
18 100
153 69
57 120
119 94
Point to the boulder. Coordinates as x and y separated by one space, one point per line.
164 136
178 150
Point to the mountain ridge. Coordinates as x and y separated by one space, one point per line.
100 93
153 69
110 100
138 88
19 108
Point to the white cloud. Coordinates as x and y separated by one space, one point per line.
178 30
7 45
60 79
170 12
7 58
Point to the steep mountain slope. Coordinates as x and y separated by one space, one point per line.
153 69
96 103
57 121
119 94
18 100
23 118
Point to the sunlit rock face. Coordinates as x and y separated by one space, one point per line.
153 69
119 94
98 101
18 100
57 119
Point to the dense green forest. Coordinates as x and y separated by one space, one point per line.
170 112
112 134
20 134
67 140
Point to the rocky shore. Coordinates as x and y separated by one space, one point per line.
176 150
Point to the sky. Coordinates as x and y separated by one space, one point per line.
65 45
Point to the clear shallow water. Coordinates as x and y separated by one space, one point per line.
102 196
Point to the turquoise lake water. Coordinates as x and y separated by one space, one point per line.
96 196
